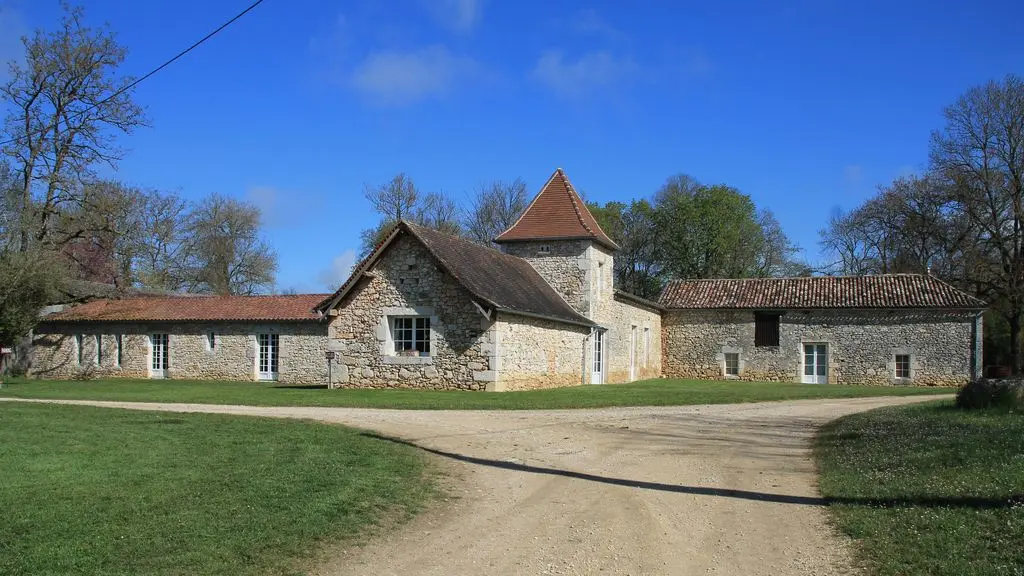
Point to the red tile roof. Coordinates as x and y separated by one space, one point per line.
557 212
882 291
178 308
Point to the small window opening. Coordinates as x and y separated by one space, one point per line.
766 329
732 364
412 336
544 249
903 366
98 359
211 341
79 341
117 350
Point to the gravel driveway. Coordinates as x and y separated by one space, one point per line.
721 489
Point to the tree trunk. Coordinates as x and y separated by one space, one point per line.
1015 365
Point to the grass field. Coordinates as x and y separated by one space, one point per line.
928 489
102 491
649 393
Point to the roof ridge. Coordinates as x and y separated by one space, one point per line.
574 197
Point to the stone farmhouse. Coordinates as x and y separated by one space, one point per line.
427 310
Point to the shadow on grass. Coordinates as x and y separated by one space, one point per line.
958 502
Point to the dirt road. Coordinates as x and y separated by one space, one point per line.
723 489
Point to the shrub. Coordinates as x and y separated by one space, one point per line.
992 393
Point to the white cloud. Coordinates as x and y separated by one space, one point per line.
588 22
12 28
400 78
283 209
460 15
592 71
341 267
853 173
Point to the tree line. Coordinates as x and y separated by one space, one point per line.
961 219
687 229
59 222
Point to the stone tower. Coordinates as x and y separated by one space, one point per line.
559 236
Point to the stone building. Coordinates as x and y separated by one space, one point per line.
427 310
890 329
423 310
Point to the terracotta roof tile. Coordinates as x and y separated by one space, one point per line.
882 291
182 308
557 212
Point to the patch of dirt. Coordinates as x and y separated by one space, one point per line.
722 489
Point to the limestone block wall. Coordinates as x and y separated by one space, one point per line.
861 345
406 281
630 324
566 266
301 359
536 353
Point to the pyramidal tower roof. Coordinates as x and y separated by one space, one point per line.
556 213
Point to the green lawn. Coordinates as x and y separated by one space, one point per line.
649 393
101 491
928 489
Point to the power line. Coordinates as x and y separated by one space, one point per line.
137 81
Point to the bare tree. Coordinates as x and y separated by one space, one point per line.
66 104
397 199
157 256
400 199
223 250
494 208
439 212
980 155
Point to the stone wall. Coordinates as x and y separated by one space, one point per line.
536 353
619 316
861 345
565 266
233 357
406 281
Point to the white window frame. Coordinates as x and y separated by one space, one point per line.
268 367
896 366
420 326
118 345
211 341
647 347
725 365
98 356
164 347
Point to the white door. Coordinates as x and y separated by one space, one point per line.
597 373
269 351
159 348
632 353
815 364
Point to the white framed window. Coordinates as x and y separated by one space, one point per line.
79 345
268 357
647 347
732 364
159 354
211 341
98 357
117 349
903 366
411 335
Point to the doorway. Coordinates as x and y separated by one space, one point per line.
815 364
597 373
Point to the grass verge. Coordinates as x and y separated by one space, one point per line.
649 393
928 489
101 491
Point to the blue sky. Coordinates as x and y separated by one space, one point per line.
804 105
